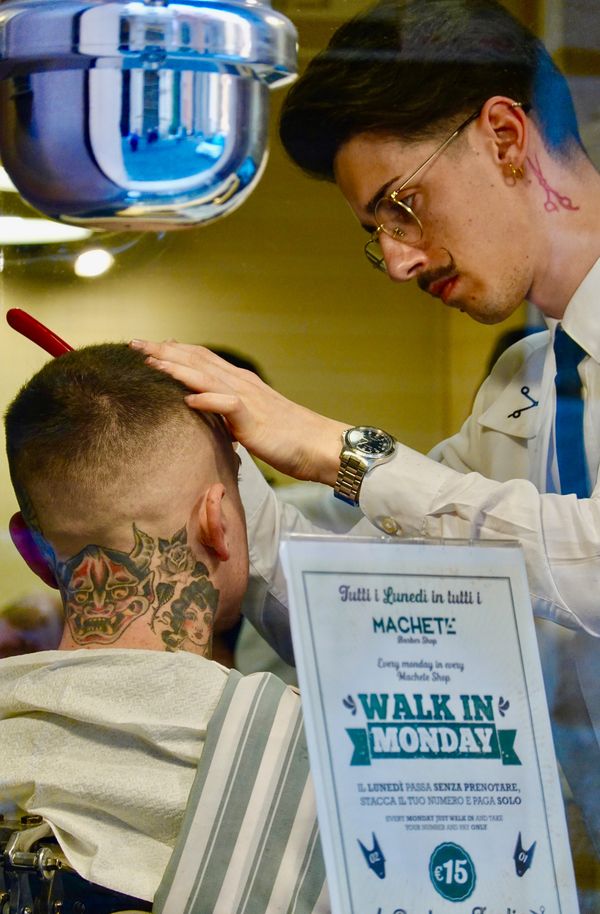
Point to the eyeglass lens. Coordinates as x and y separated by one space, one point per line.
398 221
374 254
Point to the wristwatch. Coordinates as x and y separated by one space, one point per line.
363 448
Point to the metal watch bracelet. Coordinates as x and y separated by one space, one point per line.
350 477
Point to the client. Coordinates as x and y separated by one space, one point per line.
132 506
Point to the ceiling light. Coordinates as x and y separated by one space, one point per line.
15 230
92 263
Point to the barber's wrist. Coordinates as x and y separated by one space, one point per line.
364 447
329 454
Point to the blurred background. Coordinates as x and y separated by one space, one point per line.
282 280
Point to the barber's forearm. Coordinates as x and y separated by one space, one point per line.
326 455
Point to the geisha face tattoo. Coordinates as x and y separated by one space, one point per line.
105 591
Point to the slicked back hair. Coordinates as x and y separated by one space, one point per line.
90 412
414 68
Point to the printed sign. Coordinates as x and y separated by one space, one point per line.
427 727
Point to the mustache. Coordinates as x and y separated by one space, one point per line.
425 280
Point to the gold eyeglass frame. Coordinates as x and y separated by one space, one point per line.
397 234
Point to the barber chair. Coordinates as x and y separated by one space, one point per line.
36 878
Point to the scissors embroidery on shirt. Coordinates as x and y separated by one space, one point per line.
532 403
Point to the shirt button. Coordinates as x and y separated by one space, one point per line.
389 525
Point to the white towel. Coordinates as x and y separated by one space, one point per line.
104 744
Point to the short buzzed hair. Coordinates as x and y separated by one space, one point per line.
90 412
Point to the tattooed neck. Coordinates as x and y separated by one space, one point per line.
555 200
160 581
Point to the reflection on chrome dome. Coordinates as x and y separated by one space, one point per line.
138 115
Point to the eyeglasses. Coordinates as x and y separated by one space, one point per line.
395 217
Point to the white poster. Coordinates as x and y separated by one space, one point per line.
427 728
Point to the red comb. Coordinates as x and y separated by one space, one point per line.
19 532
36 332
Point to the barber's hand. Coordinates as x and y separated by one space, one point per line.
289 437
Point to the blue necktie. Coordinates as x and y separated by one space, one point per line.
570 452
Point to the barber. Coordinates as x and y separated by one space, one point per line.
453 137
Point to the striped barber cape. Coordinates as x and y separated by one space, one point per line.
249 843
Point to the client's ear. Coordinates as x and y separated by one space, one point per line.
211 521
29 550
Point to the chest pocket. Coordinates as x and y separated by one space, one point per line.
517 410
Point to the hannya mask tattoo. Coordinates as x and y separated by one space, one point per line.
106 590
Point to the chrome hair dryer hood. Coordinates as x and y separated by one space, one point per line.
138 115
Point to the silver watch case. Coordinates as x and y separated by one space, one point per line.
363 448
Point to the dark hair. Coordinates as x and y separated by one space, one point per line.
89 410
409 68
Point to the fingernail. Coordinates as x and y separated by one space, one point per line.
137 344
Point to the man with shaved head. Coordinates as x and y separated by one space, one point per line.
89 452
133 745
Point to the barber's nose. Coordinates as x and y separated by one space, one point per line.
402 261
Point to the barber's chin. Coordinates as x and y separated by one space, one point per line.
483 316
481 311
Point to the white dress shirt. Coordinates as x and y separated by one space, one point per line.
498 478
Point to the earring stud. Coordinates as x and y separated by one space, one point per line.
516 172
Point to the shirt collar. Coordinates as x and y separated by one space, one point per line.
581 319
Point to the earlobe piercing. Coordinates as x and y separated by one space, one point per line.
513 172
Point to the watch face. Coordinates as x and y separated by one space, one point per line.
372 442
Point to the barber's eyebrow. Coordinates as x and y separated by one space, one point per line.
370 207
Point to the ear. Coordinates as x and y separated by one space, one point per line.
29 550
211 521
509 128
